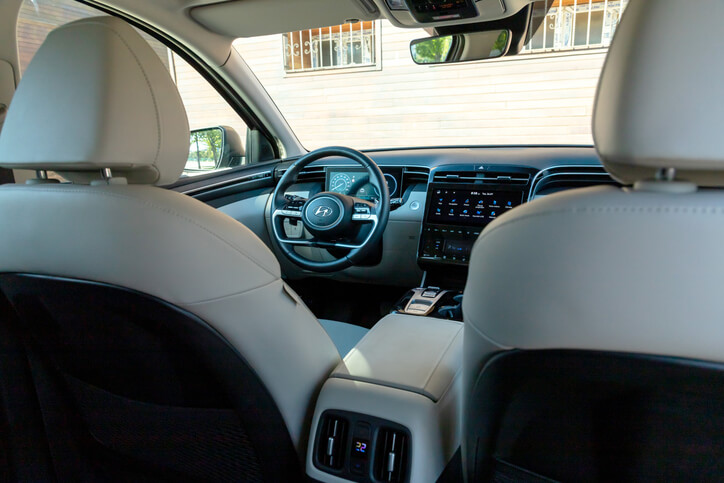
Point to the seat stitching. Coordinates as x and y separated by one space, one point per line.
232 295
608 209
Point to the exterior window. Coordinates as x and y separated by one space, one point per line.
337 47
574 25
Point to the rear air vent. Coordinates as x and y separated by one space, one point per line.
481 177
332 442
562 178
391 455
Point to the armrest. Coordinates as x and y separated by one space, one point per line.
416 354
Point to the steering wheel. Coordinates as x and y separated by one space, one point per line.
338 222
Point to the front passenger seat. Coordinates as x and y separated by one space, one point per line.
594 318
160 338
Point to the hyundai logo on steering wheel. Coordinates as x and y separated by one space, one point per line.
323 211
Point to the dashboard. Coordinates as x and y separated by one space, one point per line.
441 201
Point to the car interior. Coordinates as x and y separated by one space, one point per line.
449 313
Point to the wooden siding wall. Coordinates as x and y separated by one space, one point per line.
529 99
204 106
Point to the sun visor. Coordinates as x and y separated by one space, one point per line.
250 18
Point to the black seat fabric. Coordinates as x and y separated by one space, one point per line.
595 416
132 388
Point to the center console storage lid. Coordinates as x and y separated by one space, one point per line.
416 354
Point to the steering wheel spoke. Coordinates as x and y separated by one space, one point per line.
288 213
364 211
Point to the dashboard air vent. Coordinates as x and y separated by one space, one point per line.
391 455
491 177
331 442
561 178
310 173
416 175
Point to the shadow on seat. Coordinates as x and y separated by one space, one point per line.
133 388
596 416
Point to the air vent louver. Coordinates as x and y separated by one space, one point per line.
481 177
391 455
315 173
331 443
569 177
416 175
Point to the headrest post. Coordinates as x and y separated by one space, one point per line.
41 174
106 173
666 174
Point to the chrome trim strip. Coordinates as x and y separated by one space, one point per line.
231 182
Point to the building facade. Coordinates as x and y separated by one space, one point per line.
356 85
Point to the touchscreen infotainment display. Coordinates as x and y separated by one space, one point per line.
470 207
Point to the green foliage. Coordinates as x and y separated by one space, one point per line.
501 43
205 149
431 51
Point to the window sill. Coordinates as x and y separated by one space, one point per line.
343 70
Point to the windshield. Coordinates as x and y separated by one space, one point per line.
356 84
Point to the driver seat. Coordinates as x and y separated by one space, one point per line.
150 336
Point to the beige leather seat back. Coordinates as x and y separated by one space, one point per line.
634 270
96 97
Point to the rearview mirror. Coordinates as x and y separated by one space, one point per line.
448 49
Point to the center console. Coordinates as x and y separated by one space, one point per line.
391 411
461 201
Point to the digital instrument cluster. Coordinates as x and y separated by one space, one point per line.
355 182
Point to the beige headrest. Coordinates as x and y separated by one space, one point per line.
660 101
97 96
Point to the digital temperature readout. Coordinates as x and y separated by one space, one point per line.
360 448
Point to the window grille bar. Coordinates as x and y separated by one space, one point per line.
562 24
304 49
605 16
291 51
301 48
573 30
590 13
